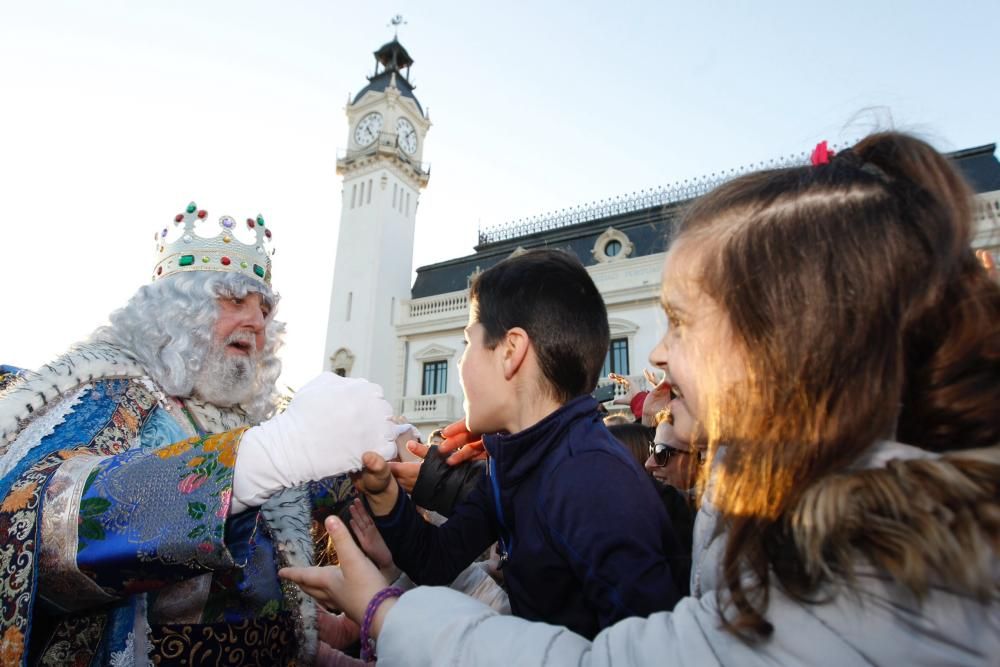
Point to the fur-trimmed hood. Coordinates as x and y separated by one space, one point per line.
911 513
905 511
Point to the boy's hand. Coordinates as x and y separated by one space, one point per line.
465 444
376 482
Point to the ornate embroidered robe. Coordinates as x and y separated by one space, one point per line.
115 542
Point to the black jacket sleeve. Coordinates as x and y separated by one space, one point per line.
440 487
435 555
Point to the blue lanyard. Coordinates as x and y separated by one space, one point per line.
506 540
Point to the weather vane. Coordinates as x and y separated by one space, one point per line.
395 22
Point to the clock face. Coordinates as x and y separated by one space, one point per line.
406 136
368 128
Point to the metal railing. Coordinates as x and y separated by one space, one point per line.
627 203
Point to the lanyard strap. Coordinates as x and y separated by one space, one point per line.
506 540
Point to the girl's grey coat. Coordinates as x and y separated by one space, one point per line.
874 623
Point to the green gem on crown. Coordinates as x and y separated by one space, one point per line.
260 220
192 207
259 270
185 260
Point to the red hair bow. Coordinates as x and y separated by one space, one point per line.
821 154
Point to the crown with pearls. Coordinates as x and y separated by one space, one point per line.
179 248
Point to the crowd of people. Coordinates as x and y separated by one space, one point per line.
812 477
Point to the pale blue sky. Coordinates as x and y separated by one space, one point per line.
115 114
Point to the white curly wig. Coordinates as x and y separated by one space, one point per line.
167 327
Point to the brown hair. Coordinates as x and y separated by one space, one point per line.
862 315
636 438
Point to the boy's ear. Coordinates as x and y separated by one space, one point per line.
515 351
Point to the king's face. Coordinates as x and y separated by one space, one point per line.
241 323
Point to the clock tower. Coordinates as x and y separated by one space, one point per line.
383 176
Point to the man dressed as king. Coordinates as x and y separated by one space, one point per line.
149 487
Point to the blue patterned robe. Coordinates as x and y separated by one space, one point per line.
116 545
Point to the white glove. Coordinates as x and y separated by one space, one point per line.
323 432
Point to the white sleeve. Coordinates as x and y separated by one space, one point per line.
438 626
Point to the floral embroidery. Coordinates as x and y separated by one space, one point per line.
19 498
225 500
191 483
159 515
176 449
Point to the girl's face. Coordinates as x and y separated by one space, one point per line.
698 352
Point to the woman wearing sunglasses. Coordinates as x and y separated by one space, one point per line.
672 461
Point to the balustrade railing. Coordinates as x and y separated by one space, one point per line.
428 408
455 302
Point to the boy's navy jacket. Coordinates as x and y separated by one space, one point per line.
587 537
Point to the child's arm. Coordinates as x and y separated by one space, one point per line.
429 555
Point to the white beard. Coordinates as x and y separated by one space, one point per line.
225 379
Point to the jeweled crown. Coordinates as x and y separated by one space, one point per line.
180 248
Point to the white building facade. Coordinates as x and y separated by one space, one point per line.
622 243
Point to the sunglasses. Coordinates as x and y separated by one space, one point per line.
661 453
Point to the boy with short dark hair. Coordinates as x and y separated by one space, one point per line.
584 540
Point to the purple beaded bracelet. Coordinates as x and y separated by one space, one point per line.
367 641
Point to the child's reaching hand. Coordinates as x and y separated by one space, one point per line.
370 540
462 444
348 586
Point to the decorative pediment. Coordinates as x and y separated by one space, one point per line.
434 352
620 327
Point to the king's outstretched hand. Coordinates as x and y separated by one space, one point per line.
323 432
